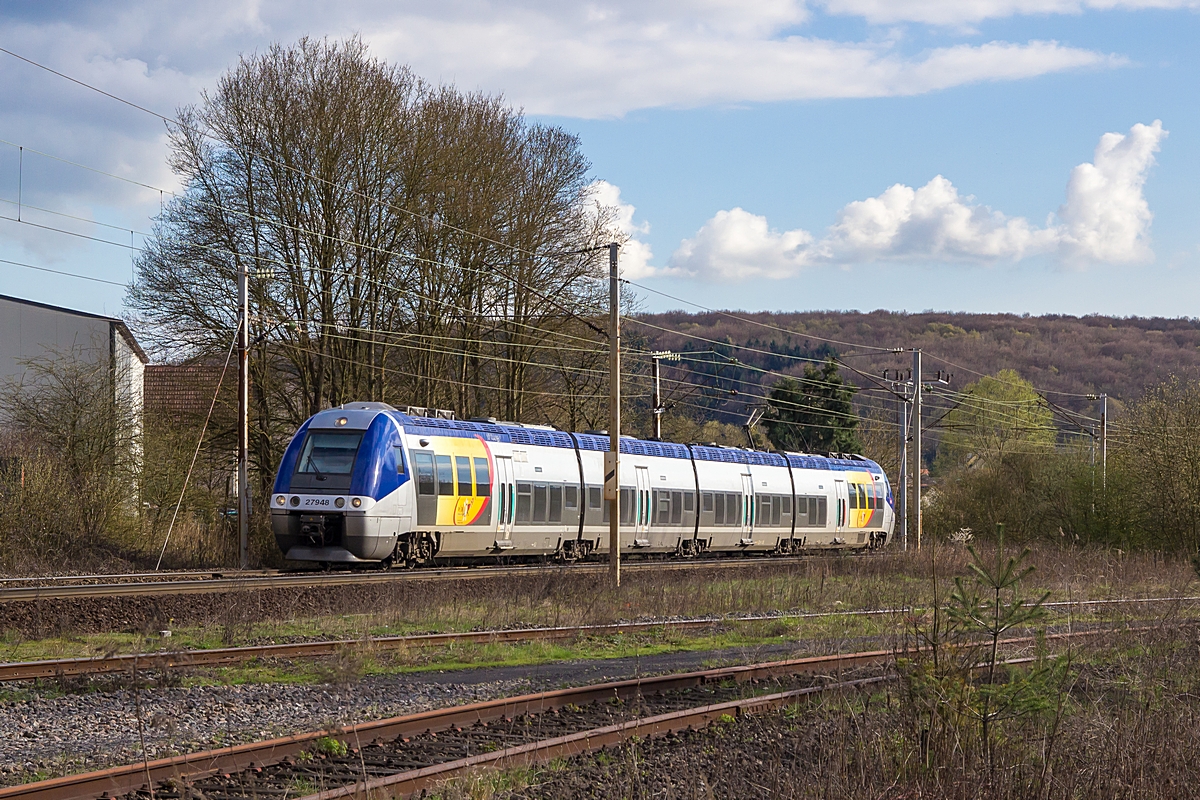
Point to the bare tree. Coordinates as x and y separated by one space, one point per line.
406 243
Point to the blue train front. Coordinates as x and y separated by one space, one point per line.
339 494
365 483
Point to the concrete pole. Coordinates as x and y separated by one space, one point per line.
916 432
612 461
243 477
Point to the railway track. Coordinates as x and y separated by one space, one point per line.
400 756
224 656
220 582
496 717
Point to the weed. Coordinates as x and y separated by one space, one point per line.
329 746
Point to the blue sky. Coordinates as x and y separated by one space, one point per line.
758 143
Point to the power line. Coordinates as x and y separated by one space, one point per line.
341 273
310 176
754 322
60 272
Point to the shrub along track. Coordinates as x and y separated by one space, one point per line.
398 756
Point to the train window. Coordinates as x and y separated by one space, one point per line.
556 503
595 497
524 502
777 510
483 478
398 452
689 501
822 511
626 506
787 505
424 462
664 507
733 510
764 510
463 467
445 475
719 514
500 516
706 500
676 508
571 497
853 495
539 502
329 453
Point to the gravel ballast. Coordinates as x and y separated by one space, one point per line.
49 735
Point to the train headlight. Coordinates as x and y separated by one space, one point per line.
295 501
280 500
341 421
341 501
356 502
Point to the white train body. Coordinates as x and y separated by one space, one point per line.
367 483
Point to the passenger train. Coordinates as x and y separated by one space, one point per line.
365 483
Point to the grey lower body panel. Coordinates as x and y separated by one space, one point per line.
332 555
339 537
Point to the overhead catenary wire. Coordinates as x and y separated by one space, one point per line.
453 266
325 181
410 256
312 268
754 322
455 381
60 272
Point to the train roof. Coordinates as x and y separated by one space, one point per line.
544 436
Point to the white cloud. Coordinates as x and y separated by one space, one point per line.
736 244
1106 216
1105 219
617 214
967 12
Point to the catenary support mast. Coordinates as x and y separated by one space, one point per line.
243 472
916 434
612 461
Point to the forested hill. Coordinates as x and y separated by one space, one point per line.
1075 355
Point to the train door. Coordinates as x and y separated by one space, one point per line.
641 518
506 501
747 509
842 501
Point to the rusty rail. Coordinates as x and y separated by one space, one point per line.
220 582
122 780
62 667
100 665
409 783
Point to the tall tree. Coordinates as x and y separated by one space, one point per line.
995 416
814 413
407 243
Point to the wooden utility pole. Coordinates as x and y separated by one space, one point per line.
612 460
243 476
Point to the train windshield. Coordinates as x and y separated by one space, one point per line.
329 453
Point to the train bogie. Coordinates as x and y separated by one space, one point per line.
365 483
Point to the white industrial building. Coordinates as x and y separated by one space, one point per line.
30 331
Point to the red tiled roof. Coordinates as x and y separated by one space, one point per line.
185 389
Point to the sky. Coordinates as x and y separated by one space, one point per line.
1027 156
